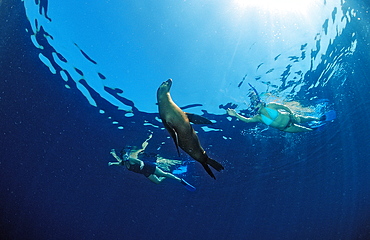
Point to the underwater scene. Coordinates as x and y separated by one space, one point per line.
192 119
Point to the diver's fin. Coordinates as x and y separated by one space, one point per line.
196 119
329 116
318 127
187 185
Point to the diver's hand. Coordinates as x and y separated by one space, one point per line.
231 112
141 165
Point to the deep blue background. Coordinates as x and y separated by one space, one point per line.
55 182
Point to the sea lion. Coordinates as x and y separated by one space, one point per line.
178 125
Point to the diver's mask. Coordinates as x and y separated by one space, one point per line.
125 153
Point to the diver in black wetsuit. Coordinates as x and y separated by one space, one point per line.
148 169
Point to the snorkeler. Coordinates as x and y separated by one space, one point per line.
280 117
277 116
148 169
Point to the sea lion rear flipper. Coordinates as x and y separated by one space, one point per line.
213 163
216 165
173 134
208 170
196 119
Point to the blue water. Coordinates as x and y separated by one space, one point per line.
55 182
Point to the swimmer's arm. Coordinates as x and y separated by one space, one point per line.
113 152
233 113
280 106
114 163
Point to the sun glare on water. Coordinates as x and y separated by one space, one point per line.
278 6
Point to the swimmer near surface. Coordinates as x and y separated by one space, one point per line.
178 125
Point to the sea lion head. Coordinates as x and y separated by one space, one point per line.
164 87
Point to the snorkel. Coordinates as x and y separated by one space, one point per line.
255 100
255 91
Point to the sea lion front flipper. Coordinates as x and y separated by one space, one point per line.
196 119
173 134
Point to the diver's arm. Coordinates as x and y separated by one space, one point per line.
113 152
114 163
136 161
119 160
233 113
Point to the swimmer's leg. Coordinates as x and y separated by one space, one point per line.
304 119
156 179
297 128
160 173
